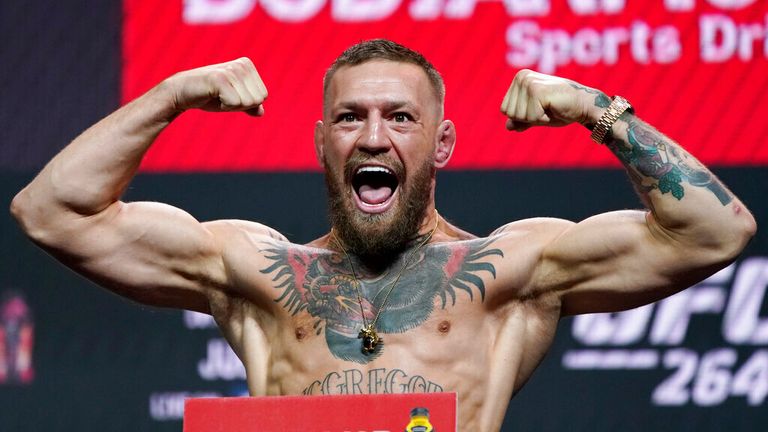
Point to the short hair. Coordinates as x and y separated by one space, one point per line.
383 49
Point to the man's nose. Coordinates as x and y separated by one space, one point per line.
374 138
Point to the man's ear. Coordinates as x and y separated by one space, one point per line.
445 140
319 142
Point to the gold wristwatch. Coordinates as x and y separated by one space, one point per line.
609 117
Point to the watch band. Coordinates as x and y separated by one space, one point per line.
609 117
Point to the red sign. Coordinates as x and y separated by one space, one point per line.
696 69
359 413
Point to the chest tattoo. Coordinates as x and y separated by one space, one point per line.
320 282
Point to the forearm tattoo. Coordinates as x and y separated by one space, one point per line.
601 99
658 163
653 161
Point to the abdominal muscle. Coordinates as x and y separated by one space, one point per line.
466 350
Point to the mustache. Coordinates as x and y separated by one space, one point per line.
360 158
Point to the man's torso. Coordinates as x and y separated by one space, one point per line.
451 317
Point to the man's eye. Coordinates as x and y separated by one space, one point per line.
401 117
347 117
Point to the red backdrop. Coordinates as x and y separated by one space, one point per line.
696 69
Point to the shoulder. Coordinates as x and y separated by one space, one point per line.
261 263
522 238
233 229
253 245
543 227
246 247
521 244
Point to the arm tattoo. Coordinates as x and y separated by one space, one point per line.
321 284
499 230
276 235
648 154
601 99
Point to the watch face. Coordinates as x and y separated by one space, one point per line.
625 105
609 117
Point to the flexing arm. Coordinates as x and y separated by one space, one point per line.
150 252
619 260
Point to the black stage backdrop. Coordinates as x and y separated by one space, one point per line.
84 359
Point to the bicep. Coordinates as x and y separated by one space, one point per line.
149 252
614 261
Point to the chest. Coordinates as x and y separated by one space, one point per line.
426 334
426 308
428 358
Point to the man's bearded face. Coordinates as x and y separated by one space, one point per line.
377 144
369 178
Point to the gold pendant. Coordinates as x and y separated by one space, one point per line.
370 339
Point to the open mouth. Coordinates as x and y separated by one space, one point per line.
375 187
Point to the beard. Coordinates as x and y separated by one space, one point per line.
378 239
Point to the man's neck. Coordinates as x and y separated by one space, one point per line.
379 263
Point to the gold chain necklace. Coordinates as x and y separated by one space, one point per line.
371 339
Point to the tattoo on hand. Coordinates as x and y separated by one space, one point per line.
601 99
649 154
321 283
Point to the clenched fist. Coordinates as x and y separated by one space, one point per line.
230 86
536 99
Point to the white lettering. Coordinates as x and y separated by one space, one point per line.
614 38
555 50
196 320
621 328
752 379
721 277
718 38
611 359
464 9
674 390
640 33
170 405
586 47
521 8
674 313
220 362
593 7
202 12
216 11
702 379
748 34
730 4
363 10
679 5
713 380
292 10
548 49
666 45
425 9
742 323
522 40
460 9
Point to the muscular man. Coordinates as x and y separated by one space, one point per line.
394 298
